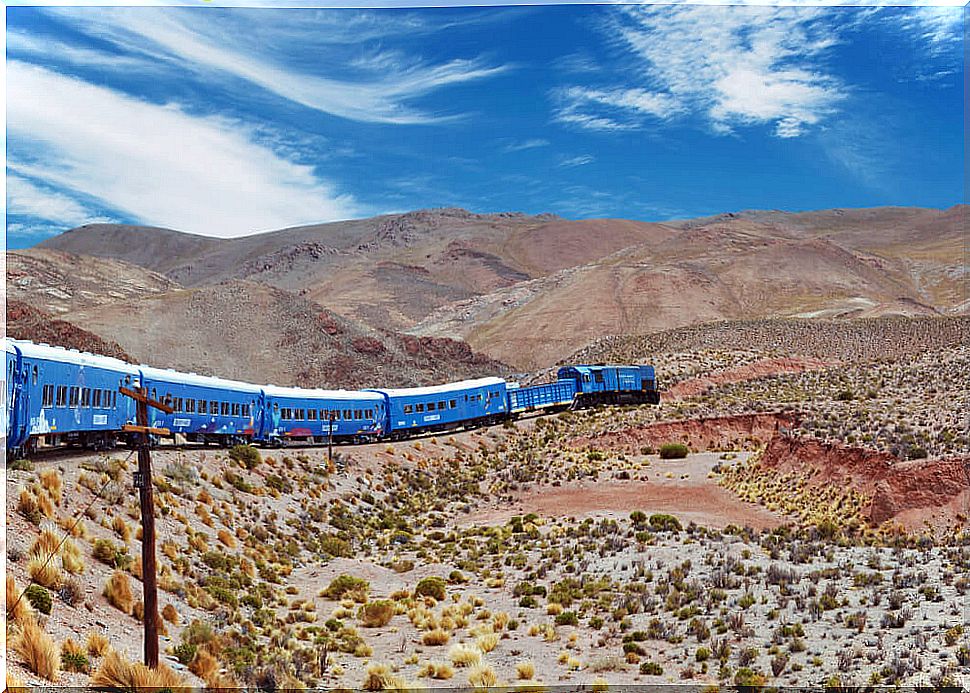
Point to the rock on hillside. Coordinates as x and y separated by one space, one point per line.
250 331
60 282
27 322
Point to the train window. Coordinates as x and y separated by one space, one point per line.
453 404
35 375
213 407
586 377
190 406
96 400
201 406
466 398
106 399
408 409
235 409
62 395
299 415
154 394
348 414
324 416
369 414
442 405
311 414
86 397
224 408
245 410
358 414
285 413
419 407
75 396
48 395
598 376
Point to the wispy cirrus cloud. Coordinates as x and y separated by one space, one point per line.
520 146
153 163
331 74
581 160
615 108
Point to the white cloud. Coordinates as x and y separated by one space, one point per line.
211 48
525 144
737 65
27 199
157 164
580 160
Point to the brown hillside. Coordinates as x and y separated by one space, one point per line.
27 322
249 331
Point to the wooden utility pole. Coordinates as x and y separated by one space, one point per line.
143 482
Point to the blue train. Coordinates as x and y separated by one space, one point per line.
66 397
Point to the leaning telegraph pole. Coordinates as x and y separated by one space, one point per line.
143 482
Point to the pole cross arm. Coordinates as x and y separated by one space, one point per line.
142 397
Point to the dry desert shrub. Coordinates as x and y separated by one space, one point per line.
170 614
376 614
51 480
487 642
464 656
526 671
118 673
20 611
226 538
118 592
436 670
96 644
204 665
482 676
37 650
72 560
436 637
121 528
380 677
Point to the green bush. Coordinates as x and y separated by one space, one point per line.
75 661
651 669
673 451
246 455
567 618
665 523
185 652
431 587
39 598
337 547
342 584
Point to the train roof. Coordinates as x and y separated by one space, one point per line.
173 376
314 393
78 358
440 389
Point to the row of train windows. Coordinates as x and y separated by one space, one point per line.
63 396
450 404
182 405
291 414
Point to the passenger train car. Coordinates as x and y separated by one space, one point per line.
64 396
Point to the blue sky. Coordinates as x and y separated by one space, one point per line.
226 122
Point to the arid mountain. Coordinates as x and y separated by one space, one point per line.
237 329
250 331
529 290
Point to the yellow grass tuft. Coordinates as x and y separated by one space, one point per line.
226 538
23 611
51 480
96 644
487 642
436 670
37 650
170 614
117 672
45 572
482 676
204 665
526 671
436 637
118 592
380 678
121 528
72 560
464 656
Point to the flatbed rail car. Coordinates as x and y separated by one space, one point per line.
602 384
557 395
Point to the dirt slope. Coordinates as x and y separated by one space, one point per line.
26 322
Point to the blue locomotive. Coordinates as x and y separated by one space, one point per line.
64 396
